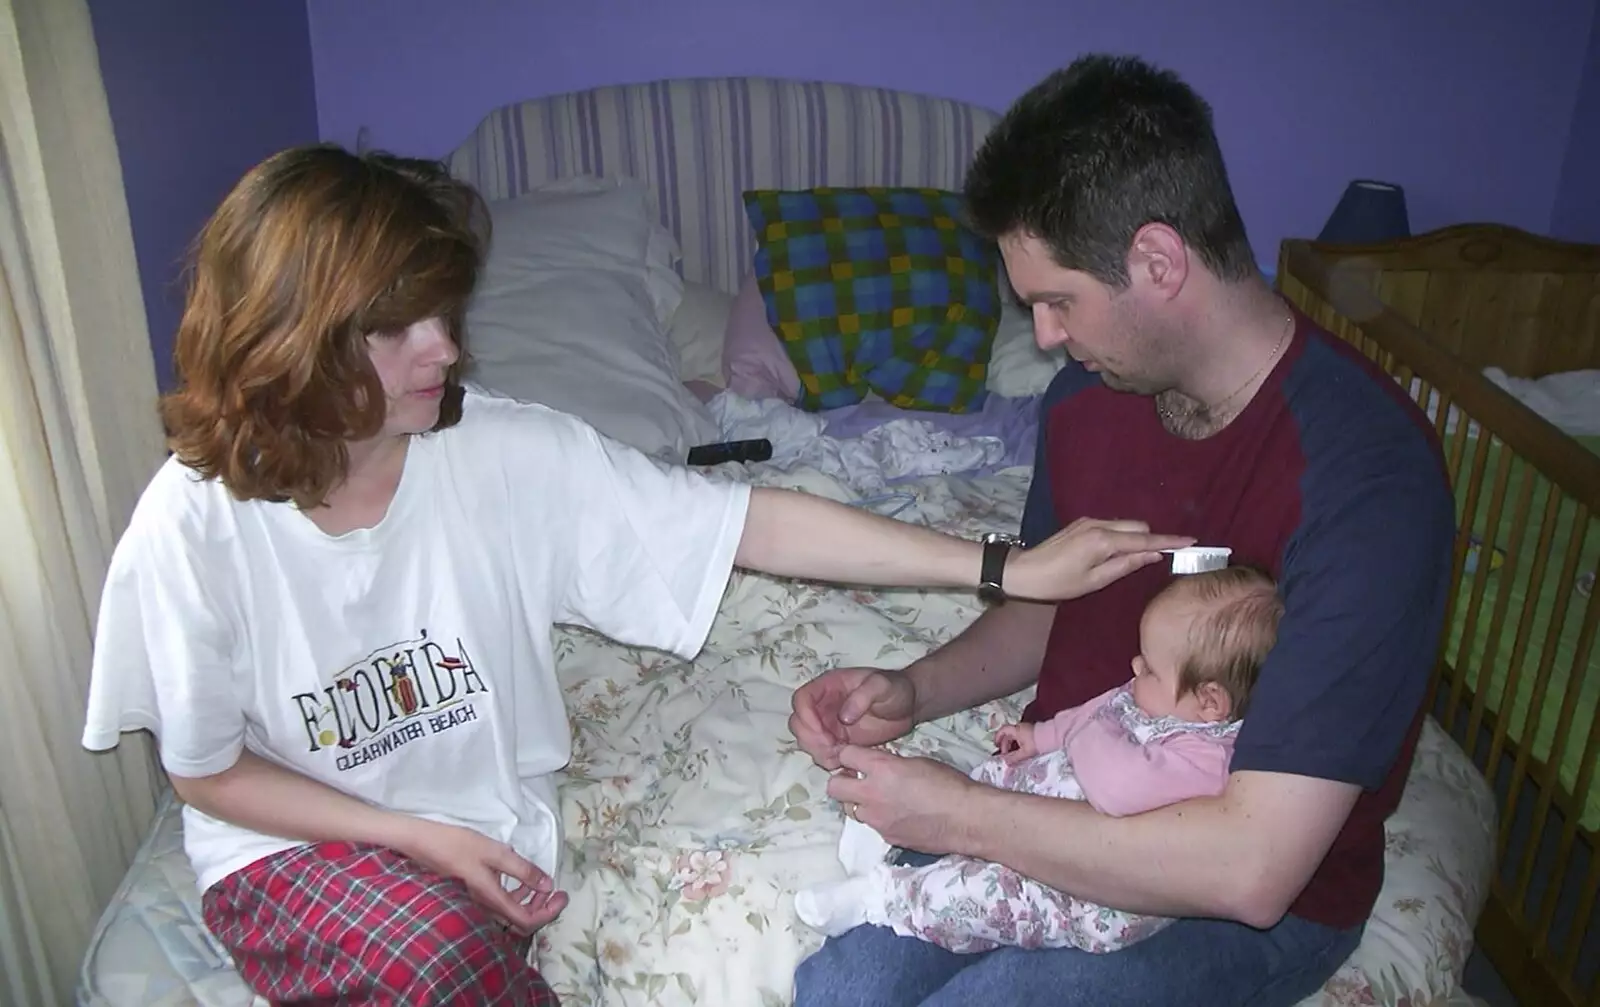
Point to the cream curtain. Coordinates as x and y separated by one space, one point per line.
79 438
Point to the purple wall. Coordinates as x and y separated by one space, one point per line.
1467 105
1577 209
199 91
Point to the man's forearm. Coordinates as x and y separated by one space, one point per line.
999 654
1243 856
1131 864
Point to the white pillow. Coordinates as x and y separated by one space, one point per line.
697 332
1017 367
572 308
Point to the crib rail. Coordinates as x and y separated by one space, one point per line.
1516 679
1490 294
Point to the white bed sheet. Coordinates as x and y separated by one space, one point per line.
692 817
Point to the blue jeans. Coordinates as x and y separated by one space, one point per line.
1197 962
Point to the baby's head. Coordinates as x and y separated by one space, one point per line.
1202 642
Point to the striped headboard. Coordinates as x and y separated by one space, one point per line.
701 142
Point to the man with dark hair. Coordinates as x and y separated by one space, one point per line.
1095 152
1197 400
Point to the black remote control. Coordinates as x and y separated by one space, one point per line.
758 450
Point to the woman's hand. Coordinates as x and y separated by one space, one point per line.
1084 557
480 862
264 796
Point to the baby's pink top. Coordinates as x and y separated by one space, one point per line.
1128 762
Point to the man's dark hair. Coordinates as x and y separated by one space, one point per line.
1098 150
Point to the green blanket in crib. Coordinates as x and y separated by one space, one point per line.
1512 562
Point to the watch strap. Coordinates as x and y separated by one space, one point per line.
991 573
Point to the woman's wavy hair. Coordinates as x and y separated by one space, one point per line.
314 249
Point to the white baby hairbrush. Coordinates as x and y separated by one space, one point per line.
1199 558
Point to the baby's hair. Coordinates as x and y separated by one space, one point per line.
1231 639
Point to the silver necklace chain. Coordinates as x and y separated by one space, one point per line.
1166 412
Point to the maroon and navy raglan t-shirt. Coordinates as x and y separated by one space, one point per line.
1332 481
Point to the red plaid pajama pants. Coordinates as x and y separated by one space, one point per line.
343 923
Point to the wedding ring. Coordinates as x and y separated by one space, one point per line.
852 812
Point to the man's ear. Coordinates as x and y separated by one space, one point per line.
1159 260
1215 703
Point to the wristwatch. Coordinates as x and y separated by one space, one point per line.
996 546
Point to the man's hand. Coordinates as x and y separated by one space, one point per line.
850 706
479 861
914 803
1016 743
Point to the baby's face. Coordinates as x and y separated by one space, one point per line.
1163 646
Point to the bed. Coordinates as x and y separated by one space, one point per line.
1497 332
691 817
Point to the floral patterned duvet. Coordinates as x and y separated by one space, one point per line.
691 816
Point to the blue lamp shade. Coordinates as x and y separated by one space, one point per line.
1368 212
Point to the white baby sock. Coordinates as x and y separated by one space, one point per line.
836 907
861 848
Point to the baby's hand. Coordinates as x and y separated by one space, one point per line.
1015 742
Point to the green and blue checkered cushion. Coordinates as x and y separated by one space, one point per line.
877 290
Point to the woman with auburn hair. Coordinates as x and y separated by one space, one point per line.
333 603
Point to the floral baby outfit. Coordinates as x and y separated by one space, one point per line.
1107 752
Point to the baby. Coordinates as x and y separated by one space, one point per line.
1165 736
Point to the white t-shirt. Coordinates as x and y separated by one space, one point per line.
410 663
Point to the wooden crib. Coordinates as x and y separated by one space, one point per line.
1517 677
